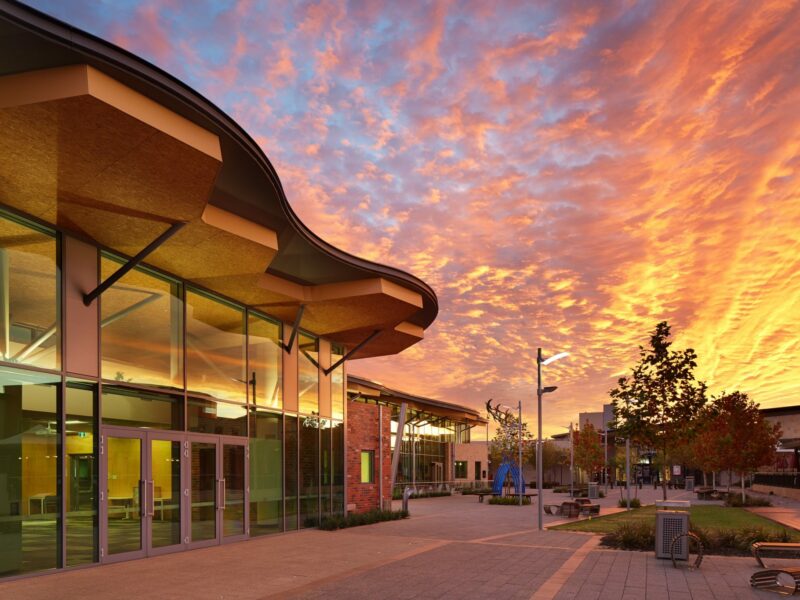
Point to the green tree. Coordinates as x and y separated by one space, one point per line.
587 449
553 457
658 404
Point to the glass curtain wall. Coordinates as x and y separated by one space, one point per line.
215 348
82 469
337 462
290 471
337 384
308 374
325 467
30 494
29 294
141 328
309 471
425 449
266 472
265 354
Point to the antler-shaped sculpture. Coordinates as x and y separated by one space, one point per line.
501 416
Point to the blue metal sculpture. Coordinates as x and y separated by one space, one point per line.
502 473
508 465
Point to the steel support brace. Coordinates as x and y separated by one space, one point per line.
293 337
144 253
355 349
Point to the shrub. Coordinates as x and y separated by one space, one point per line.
561 489
333 522
640 535
735 499
635 503
632 535
509 500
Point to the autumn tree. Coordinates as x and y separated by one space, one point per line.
735 436
587 449
658 404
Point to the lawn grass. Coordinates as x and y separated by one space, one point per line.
705 517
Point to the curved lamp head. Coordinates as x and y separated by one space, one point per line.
555 358
549 388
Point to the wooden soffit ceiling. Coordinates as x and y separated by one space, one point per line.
98 159
83 151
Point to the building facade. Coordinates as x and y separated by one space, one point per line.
404 441
173 339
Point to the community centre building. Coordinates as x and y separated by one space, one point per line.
434 452
173 340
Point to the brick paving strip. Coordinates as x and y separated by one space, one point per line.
298 591
553 585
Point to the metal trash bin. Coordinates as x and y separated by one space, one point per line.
592 494
670 523
689 484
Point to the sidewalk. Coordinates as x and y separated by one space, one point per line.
450 548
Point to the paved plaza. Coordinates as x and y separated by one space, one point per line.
450 548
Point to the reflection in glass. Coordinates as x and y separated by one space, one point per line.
141 328
264 355
233 486
81 468
215 347
266 471
308 374
30 503
210 416
135 408
29 294
337 384
165 503
309 472
337 460
125 484
204 491
290 470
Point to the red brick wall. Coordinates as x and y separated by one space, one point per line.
362 434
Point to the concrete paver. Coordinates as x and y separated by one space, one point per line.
450 548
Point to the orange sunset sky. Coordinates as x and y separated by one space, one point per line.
564 174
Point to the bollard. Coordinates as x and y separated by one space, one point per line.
406 495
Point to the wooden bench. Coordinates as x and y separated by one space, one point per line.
771 580
587 506
782 546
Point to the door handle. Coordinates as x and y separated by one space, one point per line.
221 488
142 498
151 507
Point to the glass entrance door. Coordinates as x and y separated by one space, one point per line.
218 489
142 485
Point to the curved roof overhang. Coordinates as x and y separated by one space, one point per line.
114 150
372 390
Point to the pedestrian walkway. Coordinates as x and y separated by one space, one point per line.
785 515
450 548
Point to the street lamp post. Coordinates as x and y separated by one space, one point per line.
628 470
540 391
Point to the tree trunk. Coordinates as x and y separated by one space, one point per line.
705 479
730 476
743 494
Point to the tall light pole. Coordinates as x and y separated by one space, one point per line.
540 391
628 470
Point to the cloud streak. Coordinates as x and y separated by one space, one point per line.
564 175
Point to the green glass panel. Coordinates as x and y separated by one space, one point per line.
266 473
